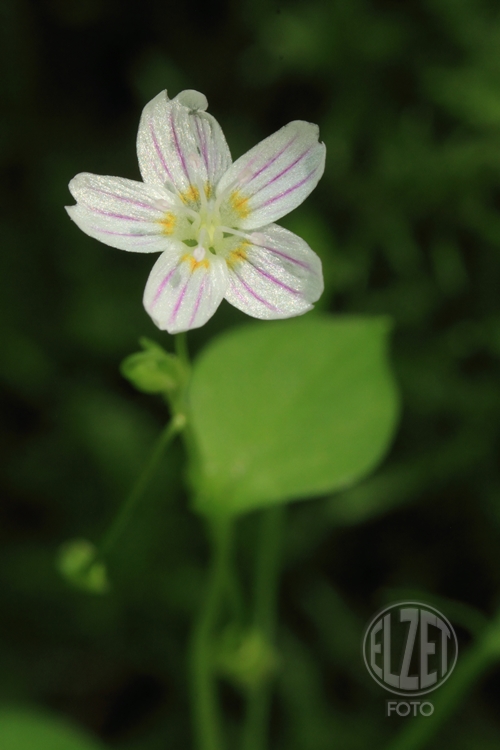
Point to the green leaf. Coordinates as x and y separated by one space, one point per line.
21 729
290 409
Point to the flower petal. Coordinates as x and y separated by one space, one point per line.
183 293
123 213
195 101
212 147
274 274
274 177
166 144
210 140
181 145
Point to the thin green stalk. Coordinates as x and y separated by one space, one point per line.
206 712
469 667
181 347
128 508
255 731
234 596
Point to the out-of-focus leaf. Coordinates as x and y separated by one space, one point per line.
21 729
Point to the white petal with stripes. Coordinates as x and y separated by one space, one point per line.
183 292
273 275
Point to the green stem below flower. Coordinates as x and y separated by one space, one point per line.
181 348
176 425
480 656
207 722
265 599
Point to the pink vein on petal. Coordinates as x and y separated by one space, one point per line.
122 198
158 150
179 302
125 234
177 146
270 162
290 190
203 142
113 216
273 279
274 251
284 171
162 286
254 294
198 300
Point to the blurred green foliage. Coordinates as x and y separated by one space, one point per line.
406 221
23 729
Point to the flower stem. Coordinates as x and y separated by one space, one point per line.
207 723
176 425
265 600
483 653
181 347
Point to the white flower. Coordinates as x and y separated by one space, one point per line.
210 219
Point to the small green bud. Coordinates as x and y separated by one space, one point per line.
246 657
78 562
154 370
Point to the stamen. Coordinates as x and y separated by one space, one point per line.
258 238
203 196
203 236
195 216
230 230
164 205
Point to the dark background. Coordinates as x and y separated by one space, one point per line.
407 222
